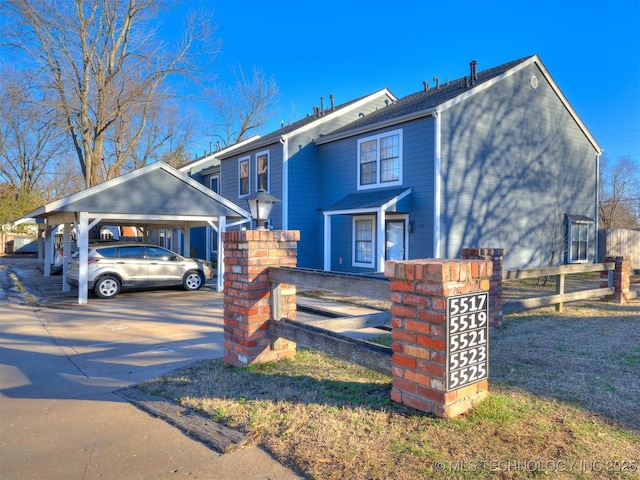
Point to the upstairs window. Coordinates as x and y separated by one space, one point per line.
380 160
243 173
262 164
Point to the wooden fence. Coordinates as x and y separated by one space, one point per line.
319 334
560 297
620 242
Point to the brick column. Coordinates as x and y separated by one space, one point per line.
621 280
419 291
495 256
247 310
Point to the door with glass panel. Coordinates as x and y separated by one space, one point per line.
395 239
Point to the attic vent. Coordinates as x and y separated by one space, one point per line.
426 85
437 80
534 82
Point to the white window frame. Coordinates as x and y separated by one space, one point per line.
242 160
258 155
354 240
570 240
379 183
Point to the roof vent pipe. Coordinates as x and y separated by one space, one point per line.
316 111
426 85
322 105
332 98
437 80
473 74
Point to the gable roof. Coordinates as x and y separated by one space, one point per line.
427 101
308 122
157 192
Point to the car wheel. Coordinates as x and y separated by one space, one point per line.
107 287
193 281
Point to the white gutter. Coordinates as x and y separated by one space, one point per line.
437 182
285 182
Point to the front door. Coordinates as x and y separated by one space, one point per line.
394 239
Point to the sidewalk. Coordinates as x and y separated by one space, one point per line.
60 417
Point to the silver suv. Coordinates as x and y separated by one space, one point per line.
114 266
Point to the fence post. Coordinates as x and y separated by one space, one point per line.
621 280
426 363
247 293
496 257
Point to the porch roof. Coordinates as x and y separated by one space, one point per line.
368 201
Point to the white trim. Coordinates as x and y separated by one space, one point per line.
437 182
327 242
266 153
379 183
328 115
213 156
247 159
374 253
285 184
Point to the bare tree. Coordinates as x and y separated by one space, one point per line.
28 136
105 61
619 194
552 240
243 106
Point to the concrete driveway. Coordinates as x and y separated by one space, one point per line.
61 363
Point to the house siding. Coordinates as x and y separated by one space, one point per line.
338 178
511 157
304 166
229 178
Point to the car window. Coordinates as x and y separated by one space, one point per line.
109 252
132 252
159 253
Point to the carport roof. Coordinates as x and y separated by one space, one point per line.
155 194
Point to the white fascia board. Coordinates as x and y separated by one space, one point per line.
214 155
533 59
358 211
376 126
328 115
331 114
395 200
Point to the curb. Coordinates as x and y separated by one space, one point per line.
220 438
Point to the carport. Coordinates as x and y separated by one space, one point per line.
153 197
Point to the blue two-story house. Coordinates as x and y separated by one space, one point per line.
497 158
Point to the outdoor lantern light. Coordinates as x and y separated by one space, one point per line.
260 205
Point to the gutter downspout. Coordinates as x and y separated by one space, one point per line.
437 182
285 182
597 244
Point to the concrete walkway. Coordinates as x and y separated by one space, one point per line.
59 415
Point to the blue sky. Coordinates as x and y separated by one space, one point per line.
351 48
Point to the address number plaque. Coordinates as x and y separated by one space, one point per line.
467 339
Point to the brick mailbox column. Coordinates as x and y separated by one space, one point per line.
247 293
621 280
439 315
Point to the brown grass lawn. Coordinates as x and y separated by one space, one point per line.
564 403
